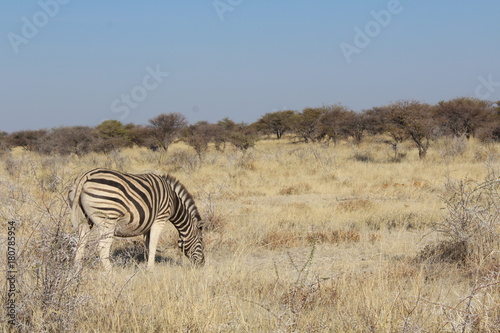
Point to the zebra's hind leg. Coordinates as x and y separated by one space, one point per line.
83 237
106 231
146 243
152 242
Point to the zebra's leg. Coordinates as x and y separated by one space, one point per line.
146 243
83 237
152 241
106 232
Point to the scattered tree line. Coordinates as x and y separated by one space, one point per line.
403 120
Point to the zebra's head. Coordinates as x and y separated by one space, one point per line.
188 222
192 246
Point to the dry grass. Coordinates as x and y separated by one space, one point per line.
300 238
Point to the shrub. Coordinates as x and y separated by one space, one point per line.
77 140
48 292
29 140
471 225
453 146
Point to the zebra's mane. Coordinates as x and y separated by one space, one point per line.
183 194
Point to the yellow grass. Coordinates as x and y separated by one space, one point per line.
299 238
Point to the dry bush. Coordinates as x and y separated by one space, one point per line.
13 166
183 160
450 147
49 288
477 311
300 295
214 218
247 162
471 225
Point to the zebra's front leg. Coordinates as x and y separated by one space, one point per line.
152 242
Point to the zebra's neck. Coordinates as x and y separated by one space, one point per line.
184 196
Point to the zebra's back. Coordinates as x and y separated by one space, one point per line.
131 202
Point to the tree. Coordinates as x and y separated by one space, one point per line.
142 136
29 139
355 125
199 136
243 136
113 135
306 124
276 122
464 116
166 128
77 140
225 128
415 119
378 121
111 129
490 130
335 121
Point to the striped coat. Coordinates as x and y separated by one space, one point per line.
126 205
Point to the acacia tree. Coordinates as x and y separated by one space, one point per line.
306 124
243 136
77 140
355 125
337 121
415 119
142 136
464 116
166 127
29 140
199 136
378 121
224 129
276 122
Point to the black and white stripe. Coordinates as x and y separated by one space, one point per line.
128 205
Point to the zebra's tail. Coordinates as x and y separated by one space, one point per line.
74 194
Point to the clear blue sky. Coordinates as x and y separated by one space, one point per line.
80 62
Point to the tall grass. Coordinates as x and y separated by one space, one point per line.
300 238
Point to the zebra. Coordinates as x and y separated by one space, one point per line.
127 205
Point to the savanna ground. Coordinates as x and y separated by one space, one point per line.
298 238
